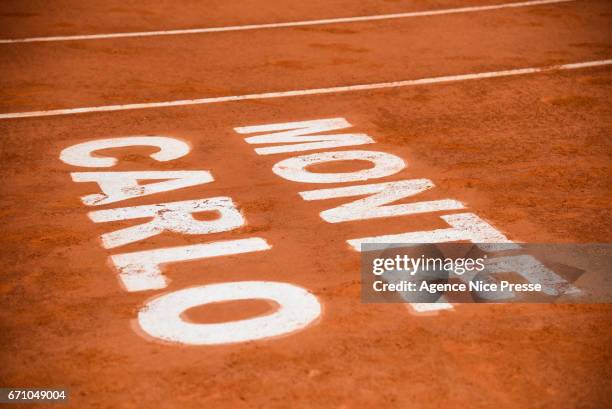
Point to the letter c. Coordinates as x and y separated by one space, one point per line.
81 154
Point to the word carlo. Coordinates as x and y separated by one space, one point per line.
297 308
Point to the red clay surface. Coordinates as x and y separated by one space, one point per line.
66 17
530 154
128 70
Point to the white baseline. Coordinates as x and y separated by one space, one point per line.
314 91
285 24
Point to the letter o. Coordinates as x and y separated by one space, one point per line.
294 168
161 319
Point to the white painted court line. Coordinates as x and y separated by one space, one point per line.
314 91
286 24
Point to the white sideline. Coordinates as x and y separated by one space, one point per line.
286 24
315 91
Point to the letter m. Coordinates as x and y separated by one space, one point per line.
299 136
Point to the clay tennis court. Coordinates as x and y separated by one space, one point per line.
506 110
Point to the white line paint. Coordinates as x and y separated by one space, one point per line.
533 271
176 217
142 270
379 196
161 317
286 24
314 91
118 186
464 226
81 154
293 132
430 307
296 168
